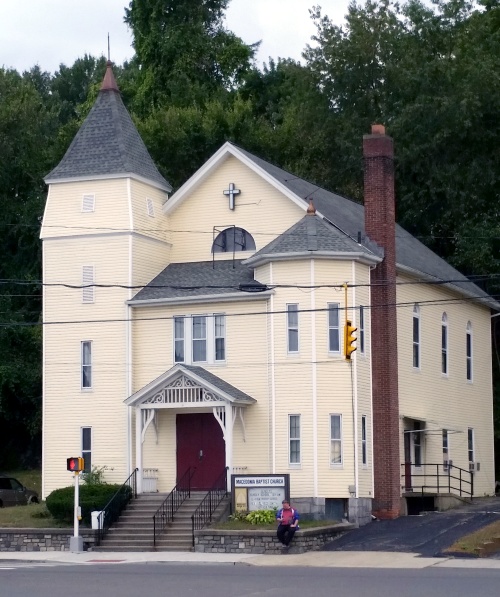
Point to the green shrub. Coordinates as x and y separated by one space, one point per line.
240 516
60 502
95 476
261 517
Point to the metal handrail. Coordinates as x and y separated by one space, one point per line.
112 510
172 503
203 514
452 479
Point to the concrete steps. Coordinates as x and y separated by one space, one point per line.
134 529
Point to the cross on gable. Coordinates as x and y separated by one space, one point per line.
231 193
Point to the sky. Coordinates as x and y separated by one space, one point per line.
50 32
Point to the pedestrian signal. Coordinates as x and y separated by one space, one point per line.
75 465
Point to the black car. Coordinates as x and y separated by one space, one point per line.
13 493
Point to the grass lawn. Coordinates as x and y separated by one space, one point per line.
32 516
469 543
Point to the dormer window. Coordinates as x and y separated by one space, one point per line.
233 240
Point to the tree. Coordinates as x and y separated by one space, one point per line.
186 56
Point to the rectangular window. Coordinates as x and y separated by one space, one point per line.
362 329
292 322
445 444
470 444
86 348
220 337
333 328
416 342
336 439
179 340
444 349
294 439
468 347
87 448
364 454
88 203
417 443
199 338
88 284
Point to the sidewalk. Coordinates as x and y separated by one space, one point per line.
321 559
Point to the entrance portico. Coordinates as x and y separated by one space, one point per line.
188 389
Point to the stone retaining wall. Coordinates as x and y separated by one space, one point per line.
42 539
223 541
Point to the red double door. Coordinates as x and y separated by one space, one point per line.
201 446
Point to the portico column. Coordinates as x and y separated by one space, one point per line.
138 447
230 415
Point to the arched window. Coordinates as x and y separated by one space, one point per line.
468 350
416 336
444 344
233 239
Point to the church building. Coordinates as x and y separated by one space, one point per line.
210 329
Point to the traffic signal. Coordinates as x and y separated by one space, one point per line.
349 339
75 465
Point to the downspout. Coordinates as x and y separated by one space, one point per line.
273 380
354 380
128 333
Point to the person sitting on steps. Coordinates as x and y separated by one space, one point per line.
288 519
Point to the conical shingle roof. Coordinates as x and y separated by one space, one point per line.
108 144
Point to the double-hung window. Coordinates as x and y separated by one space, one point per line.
199 338
86 365
364 451
468 350
361 329
470 444
444 344
333 328
336 440
87 448
292 320
294 439
416 337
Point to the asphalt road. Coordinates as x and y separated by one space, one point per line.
174 580
428 535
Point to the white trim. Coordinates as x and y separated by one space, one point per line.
45 210
290 439
262 259
314 384
189 339
207 298
104 234
370 385
273 374
167 188
338 352
290 328
128 332
44 365
354 366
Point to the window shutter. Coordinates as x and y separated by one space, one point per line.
88 203
150 207
88 278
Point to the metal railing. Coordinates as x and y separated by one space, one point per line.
438 478
172 503
110 513
203 514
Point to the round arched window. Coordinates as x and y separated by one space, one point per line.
233 240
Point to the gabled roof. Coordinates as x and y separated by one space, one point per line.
310 237
200 376
203 279
108 144
412 256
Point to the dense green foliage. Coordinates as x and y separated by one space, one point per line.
430 73
60 503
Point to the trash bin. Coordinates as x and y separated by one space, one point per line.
96 521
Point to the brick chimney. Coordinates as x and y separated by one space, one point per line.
380 226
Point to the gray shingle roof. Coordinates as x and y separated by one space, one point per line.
219 383
201 279
312 233
350 217
107 144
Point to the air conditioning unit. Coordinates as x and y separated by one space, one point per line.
474 467
447 465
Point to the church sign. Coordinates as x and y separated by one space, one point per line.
259 492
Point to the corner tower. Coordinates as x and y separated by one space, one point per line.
103 232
